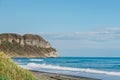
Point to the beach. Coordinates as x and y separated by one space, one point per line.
54 76
73 68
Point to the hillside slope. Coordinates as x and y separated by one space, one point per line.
28 45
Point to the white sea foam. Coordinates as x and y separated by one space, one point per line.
36 59
34 66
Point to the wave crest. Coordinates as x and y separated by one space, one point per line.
36 59
35 66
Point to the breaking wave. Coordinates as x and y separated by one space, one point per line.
36 59
34 66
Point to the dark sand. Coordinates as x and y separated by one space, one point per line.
51 76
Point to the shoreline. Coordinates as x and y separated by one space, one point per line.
54 76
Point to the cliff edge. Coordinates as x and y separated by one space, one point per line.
27 45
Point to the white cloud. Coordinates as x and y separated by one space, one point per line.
100 35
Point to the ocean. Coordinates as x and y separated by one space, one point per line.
105 68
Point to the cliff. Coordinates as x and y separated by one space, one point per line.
28 45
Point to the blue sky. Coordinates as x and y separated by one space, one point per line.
74 27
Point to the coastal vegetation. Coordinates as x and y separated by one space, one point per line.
11 71
15 45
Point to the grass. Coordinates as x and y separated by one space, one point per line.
11 71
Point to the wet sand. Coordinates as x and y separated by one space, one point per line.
54 76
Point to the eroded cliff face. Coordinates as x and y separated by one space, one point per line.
28 45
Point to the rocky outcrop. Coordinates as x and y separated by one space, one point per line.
28 45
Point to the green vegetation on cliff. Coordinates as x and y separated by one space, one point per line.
28 45
11 71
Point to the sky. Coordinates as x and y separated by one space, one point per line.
84 28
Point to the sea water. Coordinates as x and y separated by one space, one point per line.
95 67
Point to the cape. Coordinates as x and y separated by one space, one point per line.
27 45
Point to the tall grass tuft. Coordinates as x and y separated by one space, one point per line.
11 71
